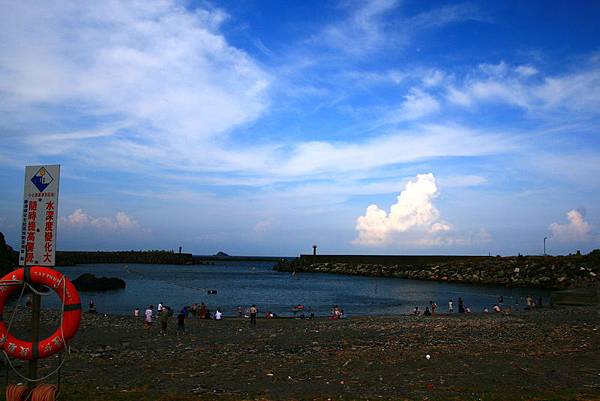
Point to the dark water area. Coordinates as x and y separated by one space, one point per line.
246 283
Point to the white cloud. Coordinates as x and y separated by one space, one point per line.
120 222
459 181
152 77
433 78
264 225
78 219
416 104
369 28
445 15
576 230
413 221
458 96
424 142
577 91
161 89
526 70
123 221
496 70
368 78
413 212
362 31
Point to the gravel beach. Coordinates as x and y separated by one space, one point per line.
548 353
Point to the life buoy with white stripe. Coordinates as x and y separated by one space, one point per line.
67 293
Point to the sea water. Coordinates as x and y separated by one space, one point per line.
246 283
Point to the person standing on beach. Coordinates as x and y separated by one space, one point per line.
148 317
181 323
202 311
450 307
461 305
529 302
253 312
164 319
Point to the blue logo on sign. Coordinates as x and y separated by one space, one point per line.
42 179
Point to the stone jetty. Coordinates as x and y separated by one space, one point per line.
553 272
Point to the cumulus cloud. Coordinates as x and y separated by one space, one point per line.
413 212
576 230
120 222
77 219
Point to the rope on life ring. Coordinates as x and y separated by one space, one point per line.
70 318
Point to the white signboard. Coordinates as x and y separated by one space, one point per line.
40 213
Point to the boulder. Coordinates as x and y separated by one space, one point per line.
89 283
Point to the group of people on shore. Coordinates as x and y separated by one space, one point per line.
165 312
163 315
498 307
336 313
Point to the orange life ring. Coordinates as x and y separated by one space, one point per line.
63 287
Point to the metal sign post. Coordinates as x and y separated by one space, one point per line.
36 306
38 233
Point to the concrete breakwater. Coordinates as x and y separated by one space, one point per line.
69 258
553 272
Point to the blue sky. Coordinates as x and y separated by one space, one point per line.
264 127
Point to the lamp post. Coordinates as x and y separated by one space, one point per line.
545 238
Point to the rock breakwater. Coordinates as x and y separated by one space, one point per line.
553 272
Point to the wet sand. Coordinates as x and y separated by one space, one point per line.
542 354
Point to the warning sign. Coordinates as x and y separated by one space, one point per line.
40 213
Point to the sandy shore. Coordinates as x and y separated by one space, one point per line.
543 354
